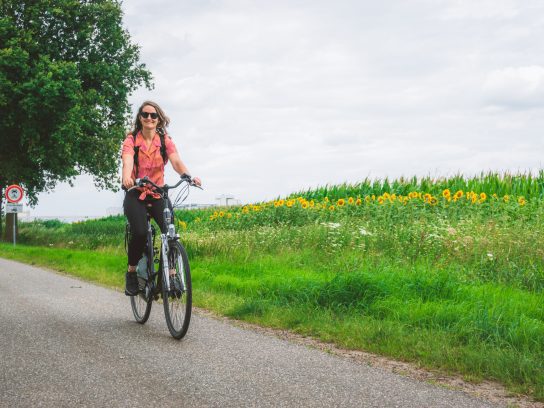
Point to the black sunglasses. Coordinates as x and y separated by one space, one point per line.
153 115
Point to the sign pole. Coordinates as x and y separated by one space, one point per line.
14 227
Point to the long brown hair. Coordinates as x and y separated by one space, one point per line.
164 120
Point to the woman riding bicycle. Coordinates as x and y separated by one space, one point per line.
146 150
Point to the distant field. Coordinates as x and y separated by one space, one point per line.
448 273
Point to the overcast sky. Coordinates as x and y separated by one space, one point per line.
267 98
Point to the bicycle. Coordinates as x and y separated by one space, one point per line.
171 255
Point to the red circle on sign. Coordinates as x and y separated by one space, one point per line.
14 193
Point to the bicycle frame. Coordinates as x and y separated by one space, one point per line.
165 238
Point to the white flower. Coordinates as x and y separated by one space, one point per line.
490 256
362 231
332 225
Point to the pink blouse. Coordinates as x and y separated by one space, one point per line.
150 161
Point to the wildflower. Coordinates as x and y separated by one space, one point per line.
290 203
358 201
245 210
381 200
522 201
305 204
446 193
326 199
490 256
312 203
506 198
332 208
427 197
483 197
229 215
332 225
362 231
341 202
215 214
458 195
351 201
221 214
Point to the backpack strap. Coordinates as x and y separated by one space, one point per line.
162 135
136 151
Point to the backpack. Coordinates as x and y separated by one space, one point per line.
137 148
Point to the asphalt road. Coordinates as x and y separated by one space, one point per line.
66 343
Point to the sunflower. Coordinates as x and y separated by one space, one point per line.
351 201
332 208
483 197
290 203
359 201
446 193
381 200
341 202
305 204
433 201
427 198
506 198
229 215
522 201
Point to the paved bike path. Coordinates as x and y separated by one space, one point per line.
65 342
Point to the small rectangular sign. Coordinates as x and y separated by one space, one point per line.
14 208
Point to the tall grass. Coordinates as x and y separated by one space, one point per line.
526 185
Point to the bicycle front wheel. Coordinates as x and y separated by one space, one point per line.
177 303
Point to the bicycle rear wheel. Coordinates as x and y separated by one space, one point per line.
177 305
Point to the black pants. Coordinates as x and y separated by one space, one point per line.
136 212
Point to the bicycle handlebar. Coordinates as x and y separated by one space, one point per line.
164 189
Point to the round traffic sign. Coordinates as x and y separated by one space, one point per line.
14 193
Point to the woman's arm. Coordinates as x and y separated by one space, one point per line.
180 167
128 165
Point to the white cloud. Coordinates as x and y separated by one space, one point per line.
515 86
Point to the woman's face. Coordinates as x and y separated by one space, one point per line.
149 117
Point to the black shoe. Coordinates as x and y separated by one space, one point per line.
175 286
131 287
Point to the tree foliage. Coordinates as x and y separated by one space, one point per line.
67 68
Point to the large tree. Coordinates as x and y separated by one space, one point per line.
67 68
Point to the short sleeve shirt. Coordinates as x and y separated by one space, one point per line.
150 162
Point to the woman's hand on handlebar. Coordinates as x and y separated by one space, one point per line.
197 181
128 182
